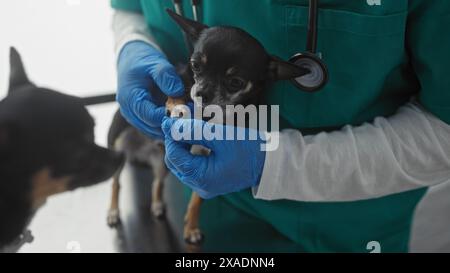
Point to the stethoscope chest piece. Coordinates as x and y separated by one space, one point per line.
318 76
310 59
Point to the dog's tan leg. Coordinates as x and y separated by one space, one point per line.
192 232
160 172
114 213
157 199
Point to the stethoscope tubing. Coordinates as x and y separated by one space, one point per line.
179 10
195 7
311 43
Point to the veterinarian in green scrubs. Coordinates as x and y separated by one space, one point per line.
380 54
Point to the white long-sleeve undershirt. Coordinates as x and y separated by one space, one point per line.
128 27
407 151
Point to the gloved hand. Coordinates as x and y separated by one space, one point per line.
233 165
142 72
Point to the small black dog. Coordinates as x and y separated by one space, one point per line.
228 67
46 147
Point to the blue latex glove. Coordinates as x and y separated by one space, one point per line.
233 165
142 72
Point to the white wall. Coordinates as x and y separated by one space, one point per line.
65 46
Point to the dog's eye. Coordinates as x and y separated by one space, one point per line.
195 66
236 84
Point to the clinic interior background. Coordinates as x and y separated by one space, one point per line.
68 45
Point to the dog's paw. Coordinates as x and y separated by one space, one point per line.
113 219
193 236
189 248
180 111
158 210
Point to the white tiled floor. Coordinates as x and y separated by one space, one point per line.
67 45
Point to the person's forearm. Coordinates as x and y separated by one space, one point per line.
130 26
406 151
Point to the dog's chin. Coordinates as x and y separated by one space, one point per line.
198 102
196 99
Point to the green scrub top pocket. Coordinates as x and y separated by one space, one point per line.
360 51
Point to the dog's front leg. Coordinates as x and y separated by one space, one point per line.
113 219
192 232
159 174
176 108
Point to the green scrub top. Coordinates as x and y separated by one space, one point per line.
379 54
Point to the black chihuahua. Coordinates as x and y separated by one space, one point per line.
228 67
46 147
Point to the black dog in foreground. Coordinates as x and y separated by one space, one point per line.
46 147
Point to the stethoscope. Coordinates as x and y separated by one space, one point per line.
317 77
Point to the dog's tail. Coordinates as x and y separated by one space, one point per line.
18 76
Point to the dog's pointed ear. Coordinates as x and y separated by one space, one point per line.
282 70
193 29
18 77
